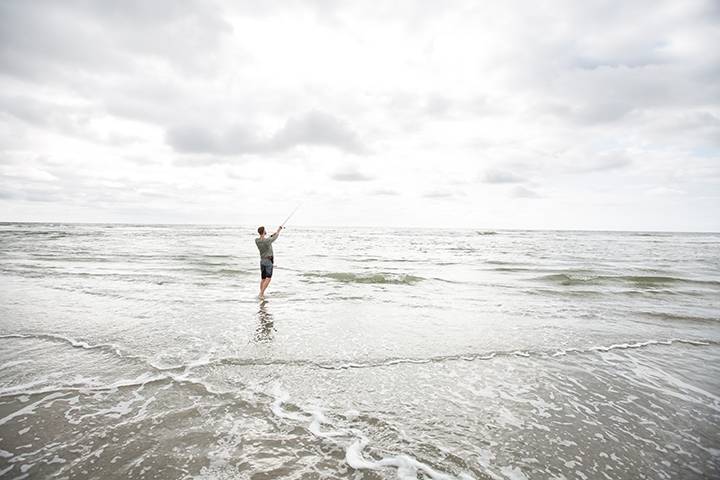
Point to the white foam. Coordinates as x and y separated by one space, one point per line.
354 457
318 419
513 473
691 342
517 353
23 388
407 466
85 385
624 346
53 337
276 407
13 364
30 409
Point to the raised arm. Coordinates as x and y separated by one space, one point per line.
276 234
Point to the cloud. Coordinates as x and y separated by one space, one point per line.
61 117
438 194
664 191
70 119
600 163
317 128
26 172
685 129
203 139
438 104
313 128
78 37
524 192
567 97
501 176
385 191
32 194
351 175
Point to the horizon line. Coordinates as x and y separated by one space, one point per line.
480 229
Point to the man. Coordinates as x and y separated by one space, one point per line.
264 245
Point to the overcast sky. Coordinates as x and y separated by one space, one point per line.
470 114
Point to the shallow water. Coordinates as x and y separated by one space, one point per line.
142 351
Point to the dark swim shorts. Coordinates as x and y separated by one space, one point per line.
266 267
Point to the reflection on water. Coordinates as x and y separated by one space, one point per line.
266 326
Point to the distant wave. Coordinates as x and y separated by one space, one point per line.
158 276
680 317
489 232
378 278
637 280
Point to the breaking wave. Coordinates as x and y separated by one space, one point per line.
351 364
373 278
572 278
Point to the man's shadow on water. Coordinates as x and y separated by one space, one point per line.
266 326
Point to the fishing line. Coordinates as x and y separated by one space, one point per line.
290 216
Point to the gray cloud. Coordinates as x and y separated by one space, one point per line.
31 194
607 95
312 128
46 181
438 104
317 128
205 139
385 191
596 112
67 119
600 163
524 192
438 194
64 118
501 176
350 175
134 59
689 130
590 89
44 38
7 195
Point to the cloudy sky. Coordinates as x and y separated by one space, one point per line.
470 114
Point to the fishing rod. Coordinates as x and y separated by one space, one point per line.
289 216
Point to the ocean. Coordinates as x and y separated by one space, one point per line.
142 351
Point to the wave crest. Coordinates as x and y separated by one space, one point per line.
373 278
573 278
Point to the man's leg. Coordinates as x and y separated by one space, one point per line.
264 286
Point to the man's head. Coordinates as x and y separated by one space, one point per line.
261 230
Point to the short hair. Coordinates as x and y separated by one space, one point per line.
261 230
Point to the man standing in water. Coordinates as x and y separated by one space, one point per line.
264 244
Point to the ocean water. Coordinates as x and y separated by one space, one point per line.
132 351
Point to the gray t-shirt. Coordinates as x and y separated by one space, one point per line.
265 245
